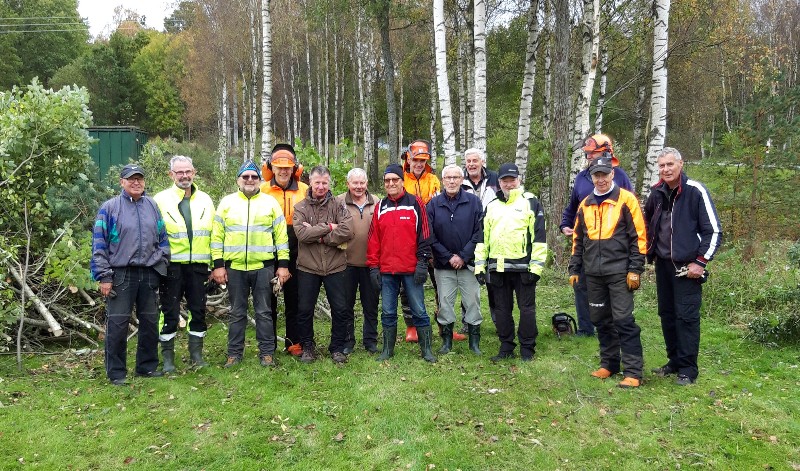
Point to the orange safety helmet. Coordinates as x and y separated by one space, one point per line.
282 155
600 143
419 149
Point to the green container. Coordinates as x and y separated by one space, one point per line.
115 145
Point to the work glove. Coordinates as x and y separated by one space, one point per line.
421 272
573 280
633 281
481 277
529 278
375 278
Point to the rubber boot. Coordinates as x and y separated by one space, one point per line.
411 334
389 339
447 339
425 343
474 338
458 337
168 354
196 351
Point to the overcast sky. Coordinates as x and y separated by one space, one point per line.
101 12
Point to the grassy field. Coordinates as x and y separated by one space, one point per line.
462 413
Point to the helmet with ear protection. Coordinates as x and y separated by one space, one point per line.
282 155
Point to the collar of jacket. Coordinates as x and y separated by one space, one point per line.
612 196
662 186
512 195
313 200
292 186
244 197
468 181
124 194
348 198
444 197
394 200
181 192
408 173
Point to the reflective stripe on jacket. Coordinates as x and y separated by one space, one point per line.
609 237
249 231
514 238
184 250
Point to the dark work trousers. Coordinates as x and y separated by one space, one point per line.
132 286
407 317
336 291
611 307
503 286
241 285
585 325
358 281
290 300
679 300
183 280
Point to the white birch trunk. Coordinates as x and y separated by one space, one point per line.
225 114
462 96
528 80
296 122
448 133
311 128
636 152
590 36
479 115
326 99
658 95
434 118
365 77
245 115
400 110
252 87
286 110
336 90
601 96
235 112
266 94
319 111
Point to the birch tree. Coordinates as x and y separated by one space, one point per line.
590 38
382 14
526 100
448 132
561 106
266 94
658 95
479 120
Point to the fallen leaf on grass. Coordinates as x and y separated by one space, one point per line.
338 437
773 439
602 412
129 460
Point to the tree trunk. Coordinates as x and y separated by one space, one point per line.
658 95
365 77
636 151
54 326
266 95
528 79
547 104
448 133
601 96
434 118
590 36
235 113
479 131
286 110
388 77
311 128
559 189
462 95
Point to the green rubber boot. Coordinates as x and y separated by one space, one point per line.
196 351
168 354
447 339
424 334
389 340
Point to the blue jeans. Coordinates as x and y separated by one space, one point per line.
241 285
416 300
132 286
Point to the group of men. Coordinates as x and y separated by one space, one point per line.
475 227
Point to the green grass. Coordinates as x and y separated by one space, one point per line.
461 413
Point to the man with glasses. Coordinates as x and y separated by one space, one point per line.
456 220
398 250
188 215
130 252
249 232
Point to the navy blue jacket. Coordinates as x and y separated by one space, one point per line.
696 230
583 187
456 227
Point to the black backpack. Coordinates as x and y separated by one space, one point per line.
564 324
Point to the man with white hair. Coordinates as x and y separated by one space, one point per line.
479 180
683 234
361 204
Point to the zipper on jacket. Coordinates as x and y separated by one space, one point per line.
247 238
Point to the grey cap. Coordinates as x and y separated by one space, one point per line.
131 170
601 164
508 170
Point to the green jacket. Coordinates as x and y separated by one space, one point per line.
514 238
248 232
183 249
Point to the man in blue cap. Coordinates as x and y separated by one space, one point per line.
248 233
130 252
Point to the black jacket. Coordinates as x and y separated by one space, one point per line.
696 230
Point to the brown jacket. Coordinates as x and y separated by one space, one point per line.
321 250
357 248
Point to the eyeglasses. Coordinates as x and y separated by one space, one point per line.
456 177
182 173
391 180
250 176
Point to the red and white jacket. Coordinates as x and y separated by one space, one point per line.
399 235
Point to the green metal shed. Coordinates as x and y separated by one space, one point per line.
115 145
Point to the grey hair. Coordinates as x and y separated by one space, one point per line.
669 151
476 151
453 167
356 172
320 170
179 158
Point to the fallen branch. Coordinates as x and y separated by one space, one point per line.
53 325
83 323
88 298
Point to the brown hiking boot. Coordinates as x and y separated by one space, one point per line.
629 383
268 360
339 357
231 361
602 373
307 356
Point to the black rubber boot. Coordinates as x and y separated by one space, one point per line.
474 338
389 339
168 354
424 334
447 339
196 351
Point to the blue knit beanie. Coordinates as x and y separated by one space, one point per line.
249 165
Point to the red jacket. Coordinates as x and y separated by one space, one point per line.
399 235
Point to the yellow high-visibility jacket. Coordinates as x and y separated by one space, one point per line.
183 249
